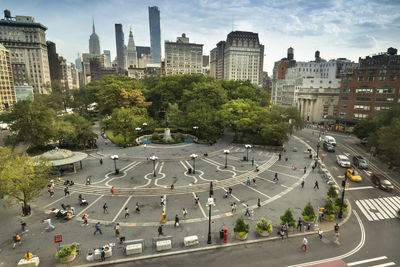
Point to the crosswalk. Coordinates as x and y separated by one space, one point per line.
376 209
382 261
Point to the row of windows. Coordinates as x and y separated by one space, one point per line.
365 90
378 99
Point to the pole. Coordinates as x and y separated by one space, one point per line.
115 165
154 168
340 215
194 165
247 158
226 160
209 217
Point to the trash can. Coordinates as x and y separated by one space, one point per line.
116 171
122 239
221 233
244 158
190 170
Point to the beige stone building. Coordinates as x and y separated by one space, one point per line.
7 89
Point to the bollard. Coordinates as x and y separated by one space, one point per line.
225 235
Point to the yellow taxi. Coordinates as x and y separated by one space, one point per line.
353 175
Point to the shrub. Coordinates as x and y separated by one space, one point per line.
328 208
241 227
332 216
308 212
66 251
264 225
337 204
332 194
288 218
155 137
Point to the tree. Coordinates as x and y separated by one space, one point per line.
288 218
308 212
22 178
389 143
332 194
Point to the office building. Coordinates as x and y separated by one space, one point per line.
66 72
182 57
372 85
94 42
54 63
86 66
78 63
26 41
24 92
7 89
120 45
240 57
143 56
75 76
131 54
155 34
107 54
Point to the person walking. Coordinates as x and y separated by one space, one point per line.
230 191
320 234
304 244
302 183
286 159
88 181
336 228
137 208
254 181
184 213
102 254
160 230
247 211
85 219
282 232
305 169
23 225
259 202
280 156
286 229
112 190
16 240
66 191
117 229
97 227
126 212
101 161
105 208
248 181
172 186
51 190
196 201
299 223
162 203
276 177
176 221
48 224
316 185
233 207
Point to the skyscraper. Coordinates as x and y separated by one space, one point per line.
119 39
131 54
54 63
155 34
94 42
7 89
107 53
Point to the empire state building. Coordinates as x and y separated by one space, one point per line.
94 42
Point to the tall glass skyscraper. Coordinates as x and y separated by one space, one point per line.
119 39
155 34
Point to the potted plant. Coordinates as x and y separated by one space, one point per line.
67 254
329 210
263 227
308 213
337 204
287 218
241 229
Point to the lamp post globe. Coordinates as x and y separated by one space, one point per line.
194 156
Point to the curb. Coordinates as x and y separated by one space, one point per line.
139 258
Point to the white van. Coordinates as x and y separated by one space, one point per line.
330 140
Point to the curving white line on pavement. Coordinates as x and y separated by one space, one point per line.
163 175
185 172
121 170
218 165
125 173
357 248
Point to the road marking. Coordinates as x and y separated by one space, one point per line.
384 210
123 206
373 207
366 261
285 186
379 208
201 208
369 218
58 200
265 179
389 204
384 264
255 190
359 188
80 213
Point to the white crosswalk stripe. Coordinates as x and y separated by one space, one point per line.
377 209
367 262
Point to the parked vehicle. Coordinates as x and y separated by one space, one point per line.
382 182
330 140
328 147
343 161
353 175
360 162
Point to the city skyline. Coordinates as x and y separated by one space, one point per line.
350 29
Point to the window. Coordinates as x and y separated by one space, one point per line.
393 78
342 114
364 90
386 90
346 90
382 108
384 99
345 98
361 107
363 98
360 116
360 78
371 78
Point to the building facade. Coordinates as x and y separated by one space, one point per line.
24 92
131 55
240 57
107 54
373 85
26 41
87 70
94 42
54 63
155 34
182 57
7 88
66 72
143 56
120 45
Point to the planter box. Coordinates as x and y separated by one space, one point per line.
70 258
133 249
97 255
191 240
163 245
29 263
244 237
290 229
264 233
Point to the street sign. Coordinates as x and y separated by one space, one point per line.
57 239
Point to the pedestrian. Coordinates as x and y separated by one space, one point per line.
233 206
162 201
313 167
230 190
137 207
101 161
105 208
185 213
126 212
97 226
282 232
302 183
251 214
48 224
160 231
102 254
196 201
299 224
304 244
305 169
254 181
280 156
259 202
320 215
112 190
88 181
316 185
247 210
276 177
252 162
16 240
85 219
66 191
117 228
176 221
23 225
172 186
320 233
248 181
286 159
336 228
225 195
286 229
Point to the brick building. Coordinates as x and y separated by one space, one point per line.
371 86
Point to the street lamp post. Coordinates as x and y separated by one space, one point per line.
194 156
319 144
247 148
340 215
210 203
154 158
226 152
115 158
195 128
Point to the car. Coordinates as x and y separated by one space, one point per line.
353 175
360 162
343 161
328 147
382 182
329 139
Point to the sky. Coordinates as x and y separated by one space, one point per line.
337 28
